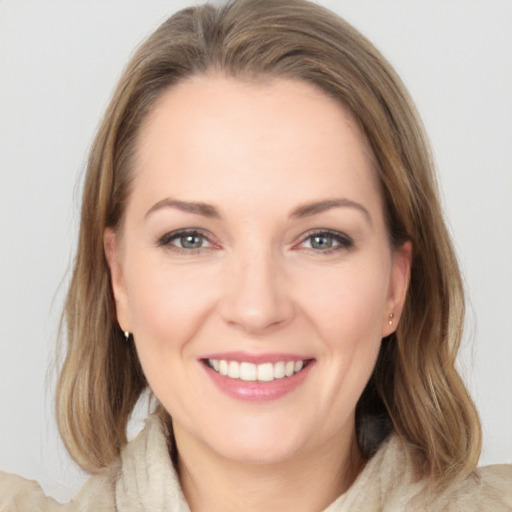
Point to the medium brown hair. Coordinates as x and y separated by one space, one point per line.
415 388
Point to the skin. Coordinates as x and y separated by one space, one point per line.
259 284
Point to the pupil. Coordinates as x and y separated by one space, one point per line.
191 241
321 242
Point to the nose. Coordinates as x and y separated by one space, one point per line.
257 298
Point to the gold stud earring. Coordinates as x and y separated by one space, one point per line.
390 321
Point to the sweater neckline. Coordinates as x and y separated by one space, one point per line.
148 478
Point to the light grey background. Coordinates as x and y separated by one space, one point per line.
59 61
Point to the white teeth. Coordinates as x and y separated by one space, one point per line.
279 372
265 372
248 371
289 368
233 370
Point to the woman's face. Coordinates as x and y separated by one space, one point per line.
253 266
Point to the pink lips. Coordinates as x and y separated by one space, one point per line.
257 391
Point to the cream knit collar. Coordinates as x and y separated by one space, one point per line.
147 482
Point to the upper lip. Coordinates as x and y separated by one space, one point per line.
245 357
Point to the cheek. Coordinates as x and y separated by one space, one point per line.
168 302
348 303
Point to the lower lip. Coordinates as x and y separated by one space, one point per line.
254 391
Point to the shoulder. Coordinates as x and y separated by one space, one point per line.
19 494
388 483
142 475
488 488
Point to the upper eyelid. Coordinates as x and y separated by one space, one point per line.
334 233
183 232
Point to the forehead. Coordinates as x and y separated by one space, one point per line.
237 140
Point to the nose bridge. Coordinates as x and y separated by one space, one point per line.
256 297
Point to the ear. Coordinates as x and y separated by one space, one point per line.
398 285
112 247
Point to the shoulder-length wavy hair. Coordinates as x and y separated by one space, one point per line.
415 389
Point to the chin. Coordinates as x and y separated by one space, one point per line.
257 453
258 444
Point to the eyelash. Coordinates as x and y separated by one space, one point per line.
165 241
344 241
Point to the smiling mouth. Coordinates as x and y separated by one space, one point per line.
250 372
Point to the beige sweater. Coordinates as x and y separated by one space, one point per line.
144 480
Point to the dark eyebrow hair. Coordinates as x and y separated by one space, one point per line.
308 209
304 210
204 209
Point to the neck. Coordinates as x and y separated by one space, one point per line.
309 482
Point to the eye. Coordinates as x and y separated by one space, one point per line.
186 241
327 241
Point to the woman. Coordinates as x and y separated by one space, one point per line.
261 245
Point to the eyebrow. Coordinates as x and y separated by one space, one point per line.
203 209
308 209
302 211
